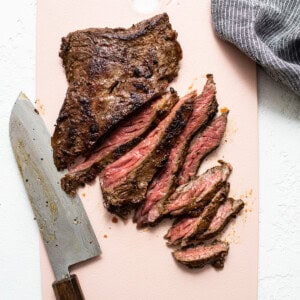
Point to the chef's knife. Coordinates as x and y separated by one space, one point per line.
63 223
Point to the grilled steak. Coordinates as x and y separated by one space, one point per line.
141 212
124 182
192 195
205 107
111 73
225 214
202 144
201 255
197 193
128 134
184 231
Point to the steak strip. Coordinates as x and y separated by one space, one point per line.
184 231
201 255
128 134
193 195
111 73
164 184
124 182
202 144
225 214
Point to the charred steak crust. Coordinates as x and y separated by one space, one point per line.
226 212
111 73
201 255
127 135
121 195
164 184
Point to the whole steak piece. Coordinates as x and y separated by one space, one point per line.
111 73
124 182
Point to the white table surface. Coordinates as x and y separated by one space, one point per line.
279 148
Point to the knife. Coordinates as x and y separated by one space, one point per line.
65 228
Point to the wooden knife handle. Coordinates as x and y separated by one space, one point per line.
68 289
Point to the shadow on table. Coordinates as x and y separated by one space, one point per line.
276 97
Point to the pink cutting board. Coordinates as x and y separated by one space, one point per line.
137 264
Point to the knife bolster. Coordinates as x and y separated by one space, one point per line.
68 289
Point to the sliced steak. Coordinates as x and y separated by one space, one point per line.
202 144
193 195
111 73
184 231
197 193
124 182
201 255
225 214
128 134
164 184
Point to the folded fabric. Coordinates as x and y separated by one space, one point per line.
268 31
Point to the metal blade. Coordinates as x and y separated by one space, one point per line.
63 223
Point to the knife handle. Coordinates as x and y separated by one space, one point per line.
68 289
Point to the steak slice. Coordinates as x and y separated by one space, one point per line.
193 195
225 214
201 145
201 255
124 182
184 231
164 184
128 134
111 73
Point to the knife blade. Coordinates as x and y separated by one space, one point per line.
65 228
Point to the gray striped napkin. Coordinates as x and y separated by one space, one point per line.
268 31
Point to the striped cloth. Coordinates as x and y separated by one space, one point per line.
268 31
